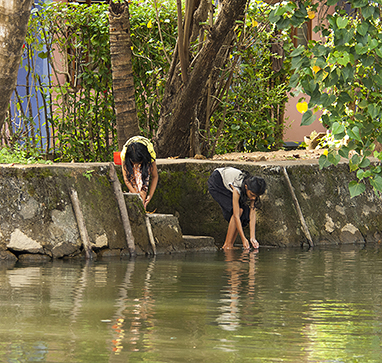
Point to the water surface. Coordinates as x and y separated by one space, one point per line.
277 305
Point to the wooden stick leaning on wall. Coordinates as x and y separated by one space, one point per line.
122 208
299 212
151 235
81 223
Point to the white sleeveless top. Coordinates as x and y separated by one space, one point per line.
231 176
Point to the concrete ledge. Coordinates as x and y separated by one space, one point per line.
199 243
167 233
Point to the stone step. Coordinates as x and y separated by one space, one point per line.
166 231
199 243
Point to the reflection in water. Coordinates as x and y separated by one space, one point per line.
271 306
236 268
139 314
118 331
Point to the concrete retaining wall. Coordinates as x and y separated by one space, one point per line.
331 215
36 211
37 220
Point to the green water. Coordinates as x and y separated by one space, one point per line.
277 305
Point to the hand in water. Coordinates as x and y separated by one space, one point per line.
246 245
254 243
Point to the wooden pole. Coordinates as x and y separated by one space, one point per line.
122 208
151 235
81 223
299 212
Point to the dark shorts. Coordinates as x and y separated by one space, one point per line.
224 197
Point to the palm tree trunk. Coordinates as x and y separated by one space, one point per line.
123 81
14 16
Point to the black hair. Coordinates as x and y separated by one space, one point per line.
137 152
255 184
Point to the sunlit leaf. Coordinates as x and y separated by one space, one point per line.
342 22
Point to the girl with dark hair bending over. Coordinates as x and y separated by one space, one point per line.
138 163
238 194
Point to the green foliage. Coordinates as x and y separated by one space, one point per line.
20 156
76 109
341 75
254 107
151 56
83 104
88 174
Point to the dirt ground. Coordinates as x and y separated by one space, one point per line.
280 155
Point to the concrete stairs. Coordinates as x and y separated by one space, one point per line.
161 233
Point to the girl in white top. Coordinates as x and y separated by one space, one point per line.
233 189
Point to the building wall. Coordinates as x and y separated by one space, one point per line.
294 132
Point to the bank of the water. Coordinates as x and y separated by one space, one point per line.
37 217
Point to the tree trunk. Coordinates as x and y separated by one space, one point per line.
180 99
123 80
14 16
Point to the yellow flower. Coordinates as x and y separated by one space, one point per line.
149 24
302 107
311 14
254 23
316 69
325 152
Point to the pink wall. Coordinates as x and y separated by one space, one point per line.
293 132
293 129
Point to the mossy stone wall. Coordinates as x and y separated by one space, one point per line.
330 214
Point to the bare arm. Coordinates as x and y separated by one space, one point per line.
127 182
236 215
252 226
153 183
